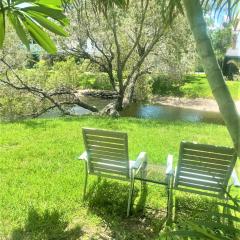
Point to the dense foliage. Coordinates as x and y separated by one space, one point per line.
63 75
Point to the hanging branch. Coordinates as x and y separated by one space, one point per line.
55 98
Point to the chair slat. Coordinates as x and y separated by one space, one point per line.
106 170
206 160
203 168
210 148
106 149
107 154
112 134
107 145
108 161
201 176
115 157
205 164
105 139
203 171
216 156
201 182
109 166
198 186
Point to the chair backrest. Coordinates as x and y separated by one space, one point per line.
204 169
107 152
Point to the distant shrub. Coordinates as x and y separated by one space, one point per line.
65 74
101 81
62 75
14 103
164 85
143 88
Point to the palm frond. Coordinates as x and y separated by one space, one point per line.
220 8
32 19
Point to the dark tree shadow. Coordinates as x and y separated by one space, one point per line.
39 123
108 199
219 216
46 226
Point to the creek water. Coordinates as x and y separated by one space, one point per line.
148 111
171 113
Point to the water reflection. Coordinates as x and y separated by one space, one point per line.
171 113
76 110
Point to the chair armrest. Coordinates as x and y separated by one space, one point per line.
83 156
235 179
169 170
142 158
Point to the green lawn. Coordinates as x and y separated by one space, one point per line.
41 180
193 86
196 85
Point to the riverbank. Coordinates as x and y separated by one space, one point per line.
202 104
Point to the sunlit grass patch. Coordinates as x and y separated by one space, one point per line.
41 179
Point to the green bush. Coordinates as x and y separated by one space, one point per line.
65 74
164 85
14 103
143 88
62 75
88 80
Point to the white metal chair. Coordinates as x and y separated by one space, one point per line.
106 155
204 169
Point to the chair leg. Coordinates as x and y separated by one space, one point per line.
130 197
170 202
225 207
85 181
143 173
99 179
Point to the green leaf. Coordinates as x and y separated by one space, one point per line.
19 28
40 36
51 26
2 28
54 13
45 2
23 1
52 2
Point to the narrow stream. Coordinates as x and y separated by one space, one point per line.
148 111
171 113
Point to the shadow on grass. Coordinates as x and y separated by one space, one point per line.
35 124
108 199
196 216
46 226
30 123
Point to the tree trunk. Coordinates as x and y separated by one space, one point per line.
119 101
129 93
214 75
113 108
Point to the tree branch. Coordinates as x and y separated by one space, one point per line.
139 34
43 94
